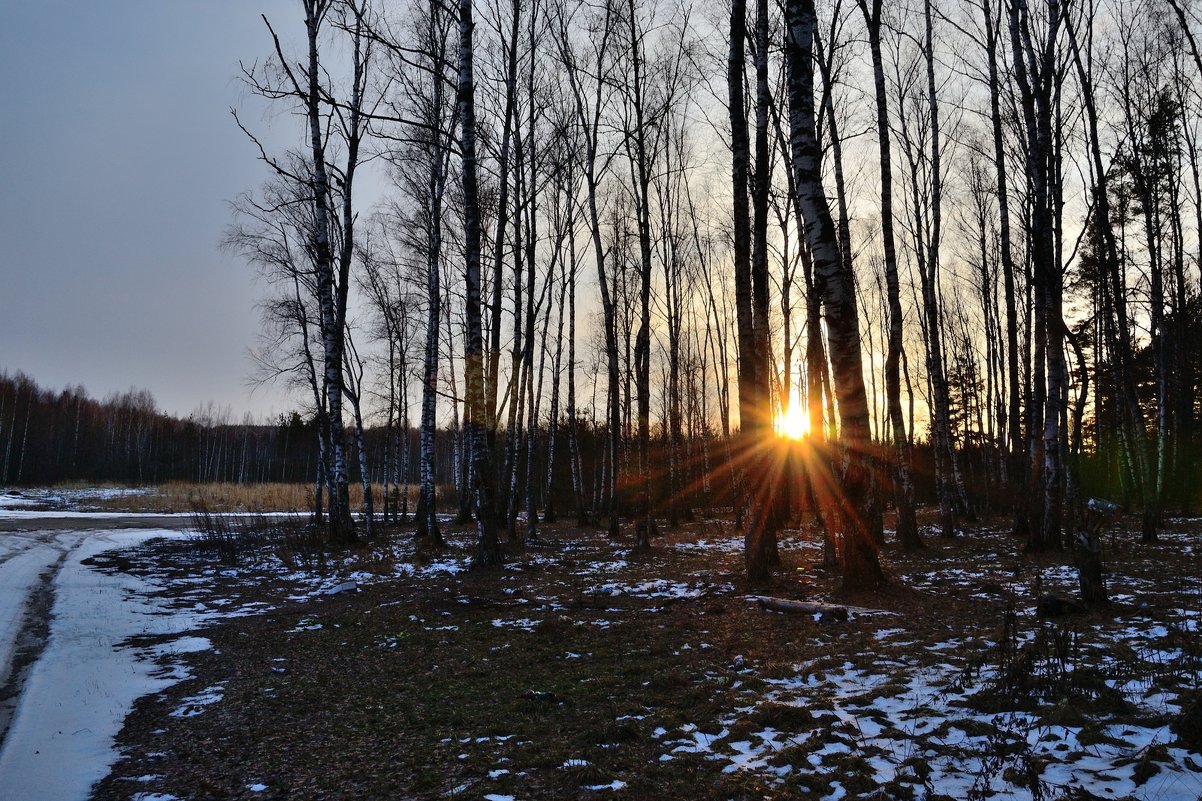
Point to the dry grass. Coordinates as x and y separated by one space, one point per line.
180 496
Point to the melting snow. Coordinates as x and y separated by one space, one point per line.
616 784
194 705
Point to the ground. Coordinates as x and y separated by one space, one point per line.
586 670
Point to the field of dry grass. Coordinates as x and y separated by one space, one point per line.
182 497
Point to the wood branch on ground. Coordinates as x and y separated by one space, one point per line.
811 607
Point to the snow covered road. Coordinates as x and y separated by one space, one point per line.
67 677
26 558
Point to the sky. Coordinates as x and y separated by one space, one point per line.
118 160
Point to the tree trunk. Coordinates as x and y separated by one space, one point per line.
494 358
907 525
341 526
1036 74
588 112
861 568
760 534
638 151
427 519
736 67
488 552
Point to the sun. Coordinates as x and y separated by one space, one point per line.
793 424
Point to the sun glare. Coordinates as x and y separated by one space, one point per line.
793 424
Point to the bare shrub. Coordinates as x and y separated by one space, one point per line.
293 539
1043 666
216 534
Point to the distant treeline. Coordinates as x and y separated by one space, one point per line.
48 437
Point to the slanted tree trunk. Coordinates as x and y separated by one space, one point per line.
507 499
582 518
928 215
639 151
354 388
510 47
668 192
1014 435
861 567
825 59
561 232
589 101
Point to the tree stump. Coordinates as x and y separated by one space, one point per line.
1087 553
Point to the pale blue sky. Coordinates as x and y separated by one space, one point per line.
118 157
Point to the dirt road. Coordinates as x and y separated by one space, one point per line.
68 676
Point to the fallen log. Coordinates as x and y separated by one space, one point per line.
812 607
1052 606
538 542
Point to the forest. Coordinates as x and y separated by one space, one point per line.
640 260
821 254
683 400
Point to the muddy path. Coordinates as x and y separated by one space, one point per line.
68 675
34 522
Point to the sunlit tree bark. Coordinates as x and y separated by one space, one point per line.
861 567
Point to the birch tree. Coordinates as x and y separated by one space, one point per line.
861 566
1035 55
332 231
